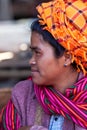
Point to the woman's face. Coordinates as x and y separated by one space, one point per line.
46 69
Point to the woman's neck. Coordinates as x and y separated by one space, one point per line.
66 81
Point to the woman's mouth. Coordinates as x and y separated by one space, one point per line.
34 71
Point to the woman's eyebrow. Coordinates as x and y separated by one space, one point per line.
34 48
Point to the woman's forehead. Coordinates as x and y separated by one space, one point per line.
37 39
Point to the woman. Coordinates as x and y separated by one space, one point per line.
54 98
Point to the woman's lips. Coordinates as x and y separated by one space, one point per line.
34 71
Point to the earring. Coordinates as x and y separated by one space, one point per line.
65 65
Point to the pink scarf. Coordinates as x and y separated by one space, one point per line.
72 105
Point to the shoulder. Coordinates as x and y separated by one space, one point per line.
23 87
22 94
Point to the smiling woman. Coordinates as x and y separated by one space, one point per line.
55 96
43 53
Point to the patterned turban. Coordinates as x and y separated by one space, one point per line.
67 22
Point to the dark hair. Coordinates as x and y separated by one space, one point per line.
58 49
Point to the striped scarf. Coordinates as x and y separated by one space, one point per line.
9 117
72 105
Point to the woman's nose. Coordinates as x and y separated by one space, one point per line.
32 61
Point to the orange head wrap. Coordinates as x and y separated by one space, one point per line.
67 22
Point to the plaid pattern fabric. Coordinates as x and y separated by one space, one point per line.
77 15
67 22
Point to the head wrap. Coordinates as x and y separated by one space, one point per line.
67 22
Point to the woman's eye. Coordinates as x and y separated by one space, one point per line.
37 52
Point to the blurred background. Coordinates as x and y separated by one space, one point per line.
16 17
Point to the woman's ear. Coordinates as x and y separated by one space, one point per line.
68 59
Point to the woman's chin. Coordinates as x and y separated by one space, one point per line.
37 81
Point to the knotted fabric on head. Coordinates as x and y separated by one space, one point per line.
67 22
